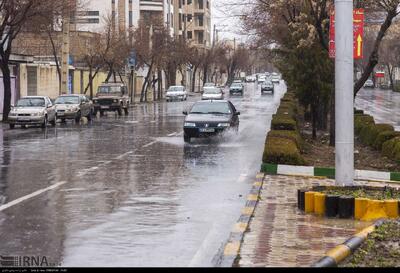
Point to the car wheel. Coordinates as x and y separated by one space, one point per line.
119 111
63 120
53 122
44 124
78 117
101 113
89 116
126 110
186 138
95 113
12 126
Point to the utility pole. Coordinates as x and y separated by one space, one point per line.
65 54
344 107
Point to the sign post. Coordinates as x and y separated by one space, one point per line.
132 66
344 100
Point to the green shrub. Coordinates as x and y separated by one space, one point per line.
286 112
283 122
388 147
358 112
282 151
369 133
291 135
383 137
360 121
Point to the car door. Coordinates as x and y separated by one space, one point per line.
50 108
235 117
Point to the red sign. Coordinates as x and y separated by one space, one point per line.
358 26
379 74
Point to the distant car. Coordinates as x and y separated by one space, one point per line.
267 86
209 84
212 93
111 97
261 79
275 78
369 84
236 88
207 118
33 110
73 107
238 81
251 79
177 92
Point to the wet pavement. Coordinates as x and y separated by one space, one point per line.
127 191
280 235
383 105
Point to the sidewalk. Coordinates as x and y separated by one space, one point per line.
281 236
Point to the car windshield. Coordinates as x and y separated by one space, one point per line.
267 83
209 84
67 100
212 91
211 108
175 88
109 89
31 102
236 85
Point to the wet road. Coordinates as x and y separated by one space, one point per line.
127 191
383 105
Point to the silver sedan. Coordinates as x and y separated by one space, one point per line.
73 107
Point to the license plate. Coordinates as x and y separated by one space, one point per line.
207 130
60 114
24 119
104 107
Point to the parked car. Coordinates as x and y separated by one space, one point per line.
212 93
177 92
209 84
32 110
267 86
369 84
238 81
262 78
111 97
207 118
236 88
73 107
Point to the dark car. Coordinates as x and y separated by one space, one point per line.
236 88
267 86
207 118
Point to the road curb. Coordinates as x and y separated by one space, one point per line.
336 255
276 169
232 247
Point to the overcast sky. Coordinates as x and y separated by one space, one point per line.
225 20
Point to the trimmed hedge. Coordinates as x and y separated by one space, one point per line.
360 121
369 133
282 151
291 135
383 137
391 148
283 122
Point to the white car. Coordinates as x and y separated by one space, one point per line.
177 92
212 93
251 79
369 84
32 110
275 78
262 79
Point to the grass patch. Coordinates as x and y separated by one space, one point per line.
375 194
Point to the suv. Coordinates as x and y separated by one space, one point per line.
111 97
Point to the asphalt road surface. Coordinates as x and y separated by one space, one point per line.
127 191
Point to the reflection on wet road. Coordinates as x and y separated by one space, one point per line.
127 191
383 105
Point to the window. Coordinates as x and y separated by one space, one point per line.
189 35
130 18
200 20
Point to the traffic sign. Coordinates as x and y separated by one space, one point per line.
132 59
358 26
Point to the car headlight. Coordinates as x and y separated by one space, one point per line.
190 124
37 114
115 100
224 124
12 114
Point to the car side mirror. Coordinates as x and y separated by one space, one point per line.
185 113
237 113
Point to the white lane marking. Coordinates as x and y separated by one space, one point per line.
149 144
173 134
204 247
29 196
123 155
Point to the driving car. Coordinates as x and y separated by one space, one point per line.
176 92
209 84
251 79
73 107
267 86
111 97
369 84
262 78
238 81
32 110
208 118
275 78
212 93
236 88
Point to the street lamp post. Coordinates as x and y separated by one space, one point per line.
344 81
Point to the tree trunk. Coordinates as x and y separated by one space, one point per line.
194 79
53 46
314 117
143 95
391 74
159 76
91 82
7 88
332 129
110 72
94 76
